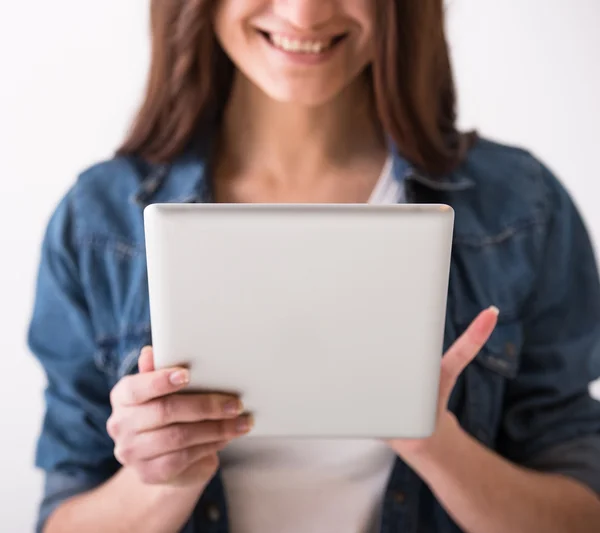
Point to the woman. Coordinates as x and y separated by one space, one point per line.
307 101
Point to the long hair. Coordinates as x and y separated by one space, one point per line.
190 78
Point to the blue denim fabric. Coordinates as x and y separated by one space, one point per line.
519 244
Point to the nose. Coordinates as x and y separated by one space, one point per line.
305 14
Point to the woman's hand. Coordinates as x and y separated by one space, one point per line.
456 359
170 438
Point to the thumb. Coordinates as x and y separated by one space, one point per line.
146 360
464 350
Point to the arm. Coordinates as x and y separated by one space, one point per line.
485 493
127 506
74 448
546 471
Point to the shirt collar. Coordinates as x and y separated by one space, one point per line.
182 181
404 171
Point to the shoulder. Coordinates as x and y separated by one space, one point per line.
514 218
512 191
111 178
511 172
103 195
99 209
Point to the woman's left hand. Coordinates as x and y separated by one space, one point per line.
454 361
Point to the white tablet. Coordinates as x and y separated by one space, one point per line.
327 320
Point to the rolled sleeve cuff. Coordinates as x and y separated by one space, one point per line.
58 488
578 459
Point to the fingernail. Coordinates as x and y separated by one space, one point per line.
233 407
494 310
245 424
179 377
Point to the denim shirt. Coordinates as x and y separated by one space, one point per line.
519 243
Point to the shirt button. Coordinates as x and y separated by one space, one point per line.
212 513
399 497
510 349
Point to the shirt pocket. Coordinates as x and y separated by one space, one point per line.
486 379
118 356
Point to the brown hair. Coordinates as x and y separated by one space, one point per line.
190 78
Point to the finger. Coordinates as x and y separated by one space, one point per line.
146 360
137 389
465 349
148 445
204 469
180 471
174 409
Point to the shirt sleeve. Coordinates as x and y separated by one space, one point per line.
73 447
550 420
578 459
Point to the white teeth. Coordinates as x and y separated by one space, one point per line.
295 45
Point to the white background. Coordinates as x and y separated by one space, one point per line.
72 71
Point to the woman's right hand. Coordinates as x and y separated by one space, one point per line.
170 438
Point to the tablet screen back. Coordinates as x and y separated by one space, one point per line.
328 320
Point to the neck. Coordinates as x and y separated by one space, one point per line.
291 142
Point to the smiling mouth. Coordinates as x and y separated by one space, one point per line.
302 46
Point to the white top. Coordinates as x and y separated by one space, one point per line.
388 190
316 485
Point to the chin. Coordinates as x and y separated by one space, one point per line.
301 94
